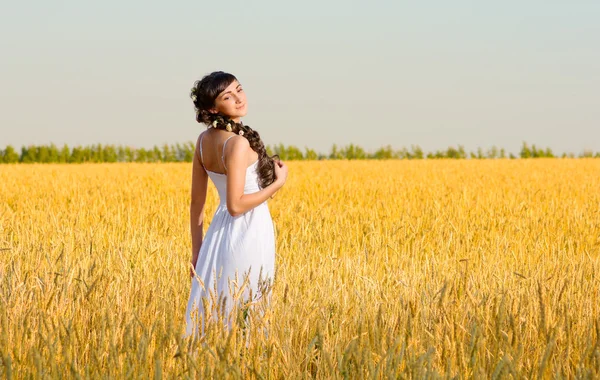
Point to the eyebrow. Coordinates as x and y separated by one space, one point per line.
223 94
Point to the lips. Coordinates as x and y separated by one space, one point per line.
240 107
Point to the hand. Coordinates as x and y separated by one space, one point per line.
281 172
192 266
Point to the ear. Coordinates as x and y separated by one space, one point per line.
213 110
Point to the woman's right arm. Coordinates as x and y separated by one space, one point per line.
197 206
238 202
249 201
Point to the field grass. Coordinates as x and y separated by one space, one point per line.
384 269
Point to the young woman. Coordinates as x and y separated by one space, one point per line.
239 244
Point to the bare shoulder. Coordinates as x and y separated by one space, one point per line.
199 137
199 142
238 143
238 148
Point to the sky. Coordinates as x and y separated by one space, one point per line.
316 73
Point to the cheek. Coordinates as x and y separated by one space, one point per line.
227 106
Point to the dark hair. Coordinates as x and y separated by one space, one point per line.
203 94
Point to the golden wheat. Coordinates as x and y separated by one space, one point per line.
385 269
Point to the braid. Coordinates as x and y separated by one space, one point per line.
266 163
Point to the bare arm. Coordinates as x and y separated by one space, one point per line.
237 164
197 205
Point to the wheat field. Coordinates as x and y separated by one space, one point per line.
384 269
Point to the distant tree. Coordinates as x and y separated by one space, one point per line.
293 153
417 152
64 155
87 154
188 154
157 154
77 155
439 154
480 154
150 155
290 152
109 153
141 155
452 152
53 153
9 155
167 154
28 154
280 150
43 155
384 153
184 152
121 157
492 152
129 154
94 153
310 154
353 152
270 151
526 151
403 154
335 154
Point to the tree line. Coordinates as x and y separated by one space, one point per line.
185 153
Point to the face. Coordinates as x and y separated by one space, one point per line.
231 102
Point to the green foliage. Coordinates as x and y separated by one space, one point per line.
417 152
310 154
286 153
588 154
353 152
384 153
185 153
9 155
335 154
533 152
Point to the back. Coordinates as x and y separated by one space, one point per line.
209 157
220 179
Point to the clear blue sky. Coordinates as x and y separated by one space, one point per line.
315 72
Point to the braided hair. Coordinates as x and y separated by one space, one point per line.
203 94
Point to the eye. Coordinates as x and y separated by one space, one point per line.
240 89
226 98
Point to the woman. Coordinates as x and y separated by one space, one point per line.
239 245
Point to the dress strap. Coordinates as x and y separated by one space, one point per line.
223 154
200 146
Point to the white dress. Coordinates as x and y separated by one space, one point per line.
244 244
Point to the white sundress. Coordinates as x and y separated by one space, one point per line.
244 244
